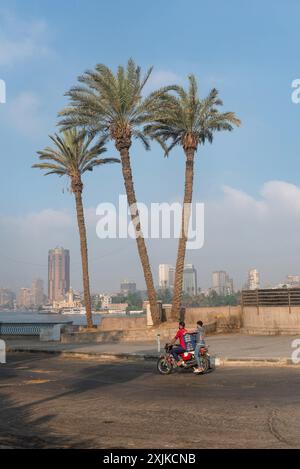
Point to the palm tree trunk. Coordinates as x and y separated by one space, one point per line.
84 256
141 245
186 212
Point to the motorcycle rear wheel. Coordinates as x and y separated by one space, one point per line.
164 367
205 363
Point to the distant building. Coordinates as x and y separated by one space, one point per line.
37 292
106 301
293 280
115 307
253 279
190 279
230 288
127 287
7 297
166 275
58 274
71 300
222 284
24 299
171 277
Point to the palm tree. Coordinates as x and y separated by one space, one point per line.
72 156
112 105
186 120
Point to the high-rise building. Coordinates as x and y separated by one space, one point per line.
166 274
190 279
58 273
253 279
37 292
127 287
222 284
24 299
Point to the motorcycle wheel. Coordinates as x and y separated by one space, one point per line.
164 367
205 363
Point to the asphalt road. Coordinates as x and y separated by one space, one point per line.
49 401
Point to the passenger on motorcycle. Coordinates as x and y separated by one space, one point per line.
180 348
200 342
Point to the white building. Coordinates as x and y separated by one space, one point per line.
253 279
70 301
166 275
106 300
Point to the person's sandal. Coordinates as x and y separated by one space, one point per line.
197 371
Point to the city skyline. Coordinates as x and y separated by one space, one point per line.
251 280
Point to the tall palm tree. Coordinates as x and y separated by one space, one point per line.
72 156
112 105
186 120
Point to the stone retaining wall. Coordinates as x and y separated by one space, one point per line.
271 320
147 334
228 318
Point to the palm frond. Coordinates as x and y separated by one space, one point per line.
182 113
103 100
72 154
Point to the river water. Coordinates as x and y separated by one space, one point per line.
30 316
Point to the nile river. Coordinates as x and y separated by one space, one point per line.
30 316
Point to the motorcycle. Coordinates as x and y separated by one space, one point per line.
167 363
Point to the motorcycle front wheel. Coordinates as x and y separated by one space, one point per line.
163 366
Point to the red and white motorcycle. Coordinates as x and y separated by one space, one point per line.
167 363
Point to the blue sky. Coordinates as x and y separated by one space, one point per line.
248 50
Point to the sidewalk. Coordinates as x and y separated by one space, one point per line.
229 348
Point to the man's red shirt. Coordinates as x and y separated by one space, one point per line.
179 335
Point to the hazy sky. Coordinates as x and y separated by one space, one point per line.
249 180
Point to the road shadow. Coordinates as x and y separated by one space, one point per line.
20 430
19 425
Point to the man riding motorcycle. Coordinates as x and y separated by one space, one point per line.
190 354
176 351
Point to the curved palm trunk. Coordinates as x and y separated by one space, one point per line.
84 254
135 217
186 212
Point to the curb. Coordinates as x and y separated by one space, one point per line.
74 354
249 361
252 361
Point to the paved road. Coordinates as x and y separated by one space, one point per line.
50 401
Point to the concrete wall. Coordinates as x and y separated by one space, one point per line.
166 333
123 323
125 335
271 320
191 316
128 328
227 317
